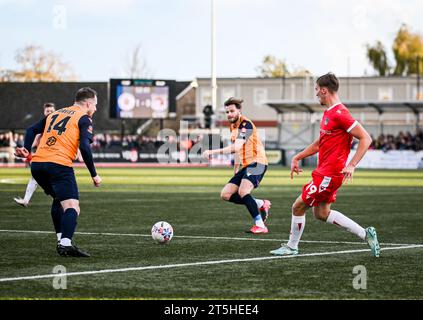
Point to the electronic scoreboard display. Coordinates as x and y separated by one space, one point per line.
141 98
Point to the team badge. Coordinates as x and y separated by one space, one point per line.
326 121
51 141
90 129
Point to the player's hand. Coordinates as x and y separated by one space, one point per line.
295 167
28 159
207 154
348 172
21 152
97 180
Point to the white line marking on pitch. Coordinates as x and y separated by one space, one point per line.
194 264
206 237
11 181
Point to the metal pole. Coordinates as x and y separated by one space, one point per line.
122 130
213 55
348 78
280 119
418 78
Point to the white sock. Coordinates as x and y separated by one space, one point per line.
59 236
65 242
30 189
259 222
259 203
297 228
337 218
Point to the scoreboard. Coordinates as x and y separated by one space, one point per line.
141 98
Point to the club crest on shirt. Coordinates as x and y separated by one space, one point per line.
326 121
51 141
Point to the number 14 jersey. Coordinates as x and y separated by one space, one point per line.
62 132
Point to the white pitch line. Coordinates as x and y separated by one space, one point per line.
209 237
194 264
10 181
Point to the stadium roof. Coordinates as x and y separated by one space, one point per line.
311 106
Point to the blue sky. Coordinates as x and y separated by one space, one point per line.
96 36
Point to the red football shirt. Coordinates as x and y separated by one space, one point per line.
335 140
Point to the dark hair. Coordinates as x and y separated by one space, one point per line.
330 81
49 105
235 101
85 93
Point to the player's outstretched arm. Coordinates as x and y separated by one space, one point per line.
32 132
364 142
235 147
236 167
310 150
87 156
208 153
85 138
96 180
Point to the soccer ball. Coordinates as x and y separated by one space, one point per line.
162 232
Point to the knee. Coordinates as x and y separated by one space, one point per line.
225 196
71 204
297 210
243 193
320 214
77 209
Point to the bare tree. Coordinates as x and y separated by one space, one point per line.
137 65
35 64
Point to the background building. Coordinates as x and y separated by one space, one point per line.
299 127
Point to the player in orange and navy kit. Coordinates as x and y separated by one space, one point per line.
337 130
250 165
63 132
32 185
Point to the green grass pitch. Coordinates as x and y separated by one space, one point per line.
211 256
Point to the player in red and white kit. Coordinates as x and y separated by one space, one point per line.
337 130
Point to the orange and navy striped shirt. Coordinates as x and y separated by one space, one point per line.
253 149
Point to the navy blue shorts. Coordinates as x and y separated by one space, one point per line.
56 180
254 172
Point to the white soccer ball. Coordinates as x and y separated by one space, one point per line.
162 232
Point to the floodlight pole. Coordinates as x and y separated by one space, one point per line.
348 77
213 55
418 77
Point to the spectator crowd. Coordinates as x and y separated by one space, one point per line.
402 141
104 142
